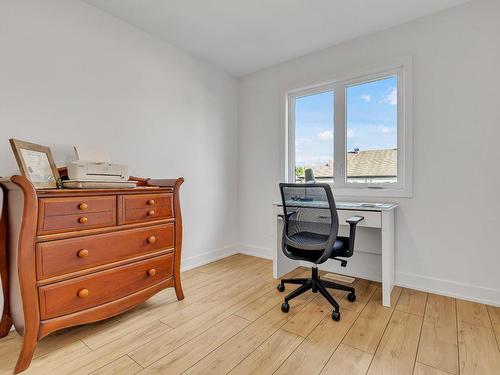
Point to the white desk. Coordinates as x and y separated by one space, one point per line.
379 227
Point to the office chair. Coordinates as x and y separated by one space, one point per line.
313 238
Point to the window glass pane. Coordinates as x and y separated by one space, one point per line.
371 132
314 136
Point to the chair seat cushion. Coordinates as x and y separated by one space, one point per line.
340 246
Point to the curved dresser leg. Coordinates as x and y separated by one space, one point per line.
178 226
27 278
6 320
178 289
178 240
27 351
5 325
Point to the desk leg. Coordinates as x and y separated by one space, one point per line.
387 256
281 264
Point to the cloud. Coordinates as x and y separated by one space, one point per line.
327 135
366 97
391 98
386 129
299 142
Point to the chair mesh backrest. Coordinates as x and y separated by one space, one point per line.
315 212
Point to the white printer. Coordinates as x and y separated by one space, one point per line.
93 169
101 171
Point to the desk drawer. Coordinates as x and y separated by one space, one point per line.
84 292
145 207
60 257
372 219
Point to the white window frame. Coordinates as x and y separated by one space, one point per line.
402 68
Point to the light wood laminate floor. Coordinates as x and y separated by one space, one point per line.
231 322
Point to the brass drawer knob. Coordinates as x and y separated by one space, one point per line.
83 253
82 293
151 213
83 220
152 272
151 202
82 206
151 239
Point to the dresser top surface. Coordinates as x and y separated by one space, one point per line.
80 192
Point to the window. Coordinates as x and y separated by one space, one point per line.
371 131
314 135
354 133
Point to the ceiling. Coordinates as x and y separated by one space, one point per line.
243 36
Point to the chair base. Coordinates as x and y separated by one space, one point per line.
316 284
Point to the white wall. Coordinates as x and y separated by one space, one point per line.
447 235
71 74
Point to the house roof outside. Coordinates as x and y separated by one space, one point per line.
369 163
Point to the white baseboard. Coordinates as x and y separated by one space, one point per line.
260 252
207 257
449 288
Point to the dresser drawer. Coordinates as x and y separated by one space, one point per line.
76 205
65 214
144 207
84 292
66 223
60 257
131 202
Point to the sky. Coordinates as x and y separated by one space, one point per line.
371 116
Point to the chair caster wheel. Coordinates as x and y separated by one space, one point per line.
351 297
336 315
281 287
285 307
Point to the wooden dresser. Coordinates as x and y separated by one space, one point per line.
69 257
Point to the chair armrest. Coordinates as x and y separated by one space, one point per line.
355 219
353 222
285 223
288 215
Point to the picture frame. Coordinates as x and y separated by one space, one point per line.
36 164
